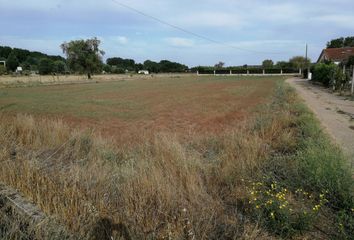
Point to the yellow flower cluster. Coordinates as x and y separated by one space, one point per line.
273 198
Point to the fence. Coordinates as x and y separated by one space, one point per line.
251 72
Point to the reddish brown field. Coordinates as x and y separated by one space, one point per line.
126 109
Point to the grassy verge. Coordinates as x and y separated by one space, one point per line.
277 175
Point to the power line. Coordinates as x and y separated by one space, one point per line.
187 31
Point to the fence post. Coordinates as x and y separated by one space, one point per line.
197 72
281 71
214 72
263 71
248 72
230 72
300 71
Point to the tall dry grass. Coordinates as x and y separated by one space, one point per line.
160 188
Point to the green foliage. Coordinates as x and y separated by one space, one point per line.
2 70
59 67
46 66
219 65
167 66
152 66
26 59
268 63
341 42
284 212
283 64
324 73
84 56
299 62
126 64
107 68
12 62
5 52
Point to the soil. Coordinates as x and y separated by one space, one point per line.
336 113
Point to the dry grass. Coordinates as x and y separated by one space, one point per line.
163 187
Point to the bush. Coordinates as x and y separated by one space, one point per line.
2 70
46 66
324 73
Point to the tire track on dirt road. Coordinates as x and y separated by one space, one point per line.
335 113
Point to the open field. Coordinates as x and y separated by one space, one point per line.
125 108
212 158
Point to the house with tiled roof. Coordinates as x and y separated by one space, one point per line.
336 55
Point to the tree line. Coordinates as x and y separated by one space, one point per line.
31 60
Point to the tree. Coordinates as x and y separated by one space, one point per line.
12 62
59 67
84 56
283 64
46 66
341 42
107 68
152 66
349 42
299 62
268 63
219 65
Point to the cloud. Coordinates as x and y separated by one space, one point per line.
121 40
179 42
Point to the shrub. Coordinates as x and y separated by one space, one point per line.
2 70
324 73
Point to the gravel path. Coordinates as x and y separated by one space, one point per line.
335 113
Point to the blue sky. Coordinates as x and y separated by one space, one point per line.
269 29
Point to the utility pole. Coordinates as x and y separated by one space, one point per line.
307 64
352 92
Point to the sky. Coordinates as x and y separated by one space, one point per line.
232 31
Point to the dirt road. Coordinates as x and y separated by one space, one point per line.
335 113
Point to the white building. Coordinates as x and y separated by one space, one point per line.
145 72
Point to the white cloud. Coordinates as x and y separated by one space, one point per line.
179 42
121 40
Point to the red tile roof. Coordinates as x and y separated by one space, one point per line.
336 54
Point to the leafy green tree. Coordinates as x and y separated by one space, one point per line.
46 66
283 64
349 42
12 62
341 42
299 62
107 68
268 63
5 52
336 43
219 65
152 66
59 67
84 56
126 64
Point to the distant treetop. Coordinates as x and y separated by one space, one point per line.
341 42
